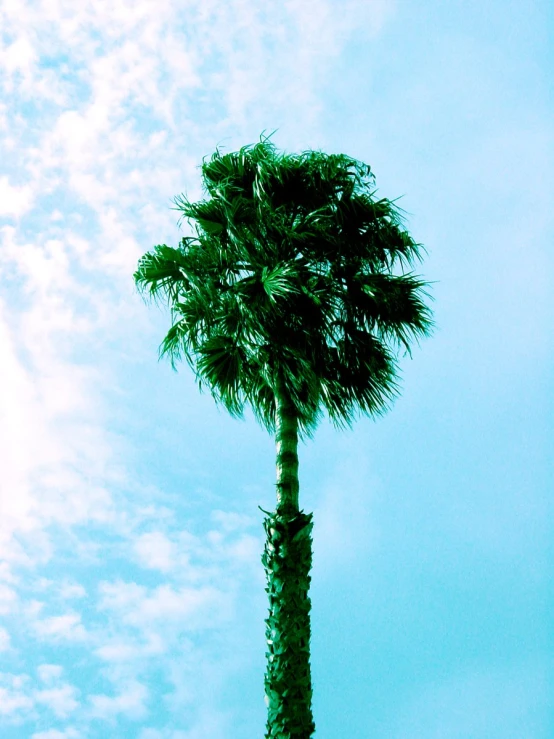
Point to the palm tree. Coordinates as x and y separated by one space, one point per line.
286 299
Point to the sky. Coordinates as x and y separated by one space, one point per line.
132 599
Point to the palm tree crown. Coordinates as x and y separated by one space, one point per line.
287 289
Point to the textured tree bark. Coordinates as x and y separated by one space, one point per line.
287 561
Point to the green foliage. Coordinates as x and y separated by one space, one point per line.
291 273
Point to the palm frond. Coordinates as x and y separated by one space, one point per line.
160 272
290 275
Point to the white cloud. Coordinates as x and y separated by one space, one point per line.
17 696
19 56
155 551
8 599
56 734
60 700
32 608
4 639
118 652
189 608
72 590
124 651
14 496
12 698
129 702
6 574
18 59
64 589
246 552
35 443
67 627
119 595
47 672
11 702
230 521
15 200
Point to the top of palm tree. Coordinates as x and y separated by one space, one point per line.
289 284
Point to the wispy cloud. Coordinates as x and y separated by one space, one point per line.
4 639
130 702
66 627
60 700
56 734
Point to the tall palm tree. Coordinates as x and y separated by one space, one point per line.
286 299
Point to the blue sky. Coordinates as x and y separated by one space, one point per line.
132 598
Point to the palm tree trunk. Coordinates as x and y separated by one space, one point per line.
287 561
